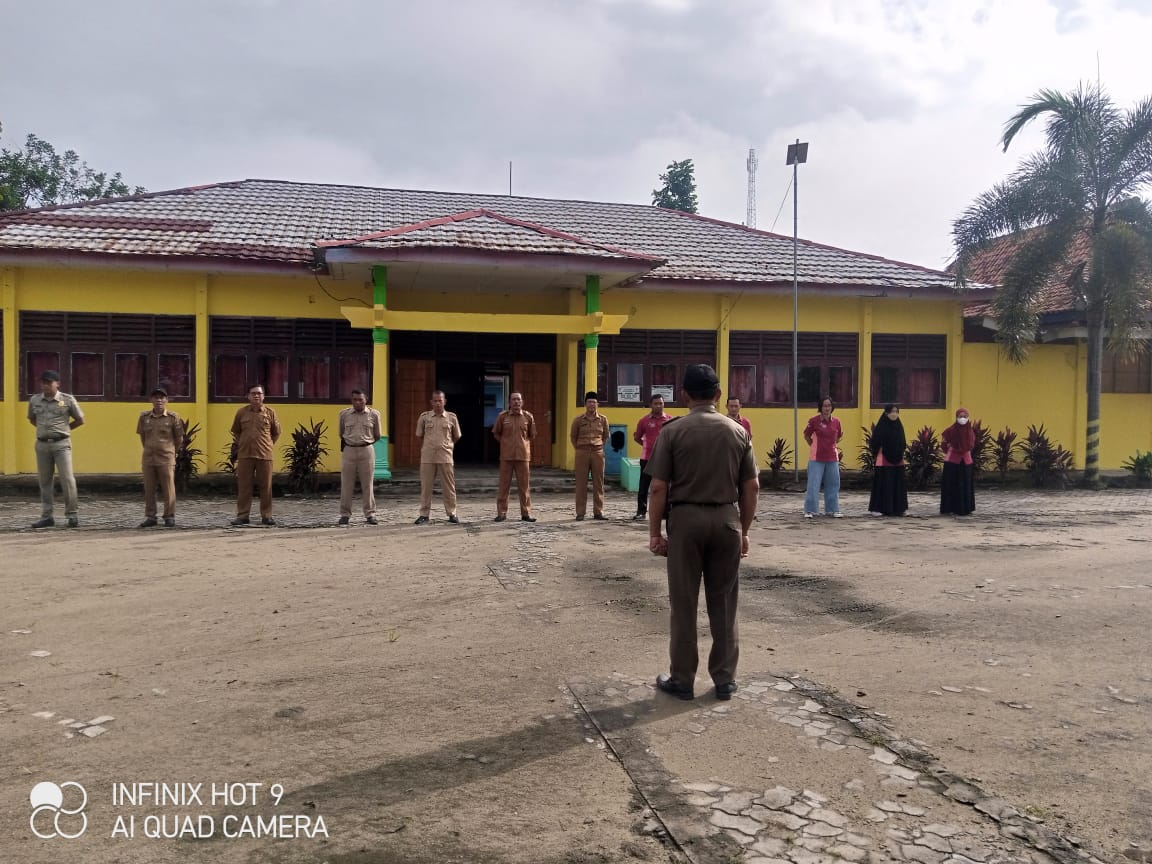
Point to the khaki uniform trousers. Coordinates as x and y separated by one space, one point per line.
447 472
703 544
163 476
248 470
56 456
358 463
508 467
589 459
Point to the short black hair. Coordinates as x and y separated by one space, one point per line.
591 394
357 392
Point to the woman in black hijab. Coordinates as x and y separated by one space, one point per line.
889 485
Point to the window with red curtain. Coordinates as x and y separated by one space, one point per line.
924 387
665 382
230 377
352 373
274 376
132 376
87 374
742 383
645 359
842 384
35 364
105 356
315 378
174 374
777 384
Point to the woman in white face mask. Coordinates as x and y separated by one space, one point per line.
957 486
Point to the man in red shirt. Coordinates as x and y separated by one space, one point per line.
645 435
733 406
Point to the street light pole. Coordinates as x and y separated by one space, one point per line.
797 153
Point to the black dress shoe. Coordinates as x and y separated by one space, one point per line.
527 518
421 520
600 517
580 518
169 521
454 519
673 688
44 523
724 691
343 520
501 518
371 520
639 517
150 522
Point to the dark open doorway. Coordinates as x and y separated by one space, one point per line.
463 386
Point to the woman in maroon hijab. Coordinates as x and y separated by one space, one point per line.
957 488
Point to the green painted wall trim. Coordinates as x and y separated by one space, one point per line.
380 335
381 472
591 294
592 340
380 285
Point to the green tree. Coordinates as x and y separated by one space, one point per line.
37 176
679 189
1074 209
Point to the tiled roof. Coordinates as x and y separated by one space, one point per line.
281 221
482 229
989 265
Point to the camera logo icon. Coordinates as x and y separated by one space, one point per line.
51 818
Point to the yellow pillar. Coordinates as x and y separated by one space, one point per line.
202 365
1080 429
723 357
864 375
380 371
9 406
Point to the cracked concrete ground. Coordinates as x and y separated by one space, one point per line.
934 690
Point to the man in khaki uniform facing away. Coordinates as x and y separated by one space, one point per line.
589 434
162 435
255 431
515 429
439 430
359 429
703 467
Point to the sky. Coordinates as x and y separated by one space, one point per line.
902 102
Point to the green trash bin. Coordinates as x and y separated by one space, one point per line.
630 474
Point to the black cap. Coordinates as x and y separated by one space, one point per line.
159 391
700 378
49 375
591 394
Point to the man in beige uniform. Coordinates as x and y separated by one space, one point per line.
515 429
359 428
703 466
55 415
162 434
439 430
589 433
254 434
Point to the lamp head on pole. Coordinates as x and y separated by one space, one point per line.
797 153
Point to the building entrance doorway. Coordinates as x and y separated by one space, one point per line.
477 373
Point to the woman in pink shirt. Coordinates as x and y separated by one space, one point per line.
957 486
823 433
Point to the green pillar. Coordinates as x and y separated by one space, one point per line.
591 340
380 372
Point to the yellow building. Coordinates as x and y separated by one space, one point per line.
312 290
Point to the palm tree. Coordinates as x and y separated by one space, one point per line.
1079 225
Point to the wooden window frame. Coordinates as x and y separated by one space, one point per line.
647 348
908 353
107 334
773 348
296 340
1111 366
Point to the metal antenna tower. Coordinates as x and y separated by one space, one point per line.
750 218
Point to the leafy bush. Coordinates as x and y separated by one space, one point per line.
865 458
228 464
304 456
1004 451
923 457
187 457
779 458
983 451
1140 465
1047 463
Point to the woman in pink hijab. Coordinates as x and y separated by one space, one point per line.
957 487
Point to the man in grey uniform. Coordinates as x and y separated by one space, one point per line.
55 415
702 466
